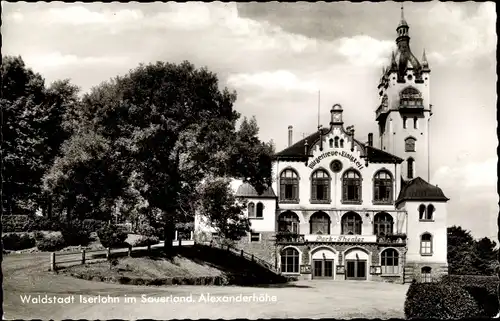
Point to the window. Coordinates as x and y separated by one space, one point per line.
290 261
260 210
429 212
251 209
421 212
383 224
331 142
404 122
382 188
411 162
410 98
426 274
426 244
351 224
415 122
410 144
351 187
390 261
341 143
336 142
289 186
320 223
288 222
254 237
320 186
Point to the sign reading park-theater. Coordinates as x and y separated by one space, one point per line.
341 238
353 159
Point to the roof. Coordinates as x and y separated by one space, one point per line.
419 190
247 190
374 155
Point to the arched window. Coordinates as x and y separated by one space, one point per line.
426 274
415 122
351 224
336 142
404 122
289 186
382 188
288 222
251 209
351 187
383 224
320 223
410 144
410 98
260 210
341 143
390 261
320 187
410 163
429 212
421 212
426 244
331 142
290 260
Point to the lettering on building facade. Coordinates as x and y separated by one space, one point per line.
353 159
341 238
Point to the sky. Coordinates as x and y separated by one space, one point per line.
277 56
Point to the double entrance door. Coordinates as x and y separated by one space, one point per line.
322 269
355 270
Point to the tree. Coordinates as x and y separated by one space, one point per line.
178 130
487 254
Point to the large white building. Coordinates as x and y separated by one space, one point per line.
343 209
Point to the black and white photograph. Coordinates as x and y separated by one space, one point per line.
260 160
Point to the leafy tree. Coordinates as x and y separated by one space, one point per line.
177 129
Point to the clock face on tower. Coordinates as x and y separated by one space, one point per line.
337 117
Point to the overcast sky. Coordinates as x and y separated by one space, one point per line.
278 55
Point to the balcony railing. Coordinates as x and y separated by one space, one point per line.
289 238
392 239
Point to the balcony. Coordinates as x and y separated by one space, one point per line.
391 239
289 238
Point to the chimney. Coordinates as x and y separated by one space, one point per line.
290 132
370 139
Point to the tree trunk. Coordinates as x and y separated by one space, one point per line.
1 272
169 230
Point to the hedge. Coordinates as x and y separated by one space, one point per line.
17 242
482 288
75 232
112 236
440 301
15 223
51 243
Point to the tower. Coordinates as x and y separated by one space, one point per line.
404 111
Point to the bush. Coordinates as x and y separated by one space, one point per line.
74 232
439 301
17 242
15 223
38 235
145 241
41 223
51 243
146 230
111 236
482 288
93 225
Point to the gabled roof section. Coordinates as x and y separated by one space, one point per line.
419 190
297 151
247 190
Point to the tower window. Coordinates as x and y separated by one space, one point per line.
251 209
410 97
415 122
404 121
426 274
426 244
336 142
410 163
260 210
341 143
410 144
331 143
429 212
421 212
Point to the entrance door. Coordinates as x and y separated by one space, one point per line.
322 269
355 270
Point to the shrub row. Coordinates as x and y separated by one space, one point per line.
51 243
23 223
482 288
112 236
145 241
17 242
439 301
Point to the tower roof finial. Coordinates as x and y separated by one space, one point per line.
403 21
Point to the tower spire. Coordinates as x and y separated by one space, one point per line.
424 60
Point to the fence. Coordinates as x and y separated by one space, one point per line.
248 256
102 255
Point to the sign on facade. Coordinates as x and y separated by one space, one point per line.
341 238
350 157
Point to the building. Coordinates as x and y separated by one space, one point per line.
345 209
